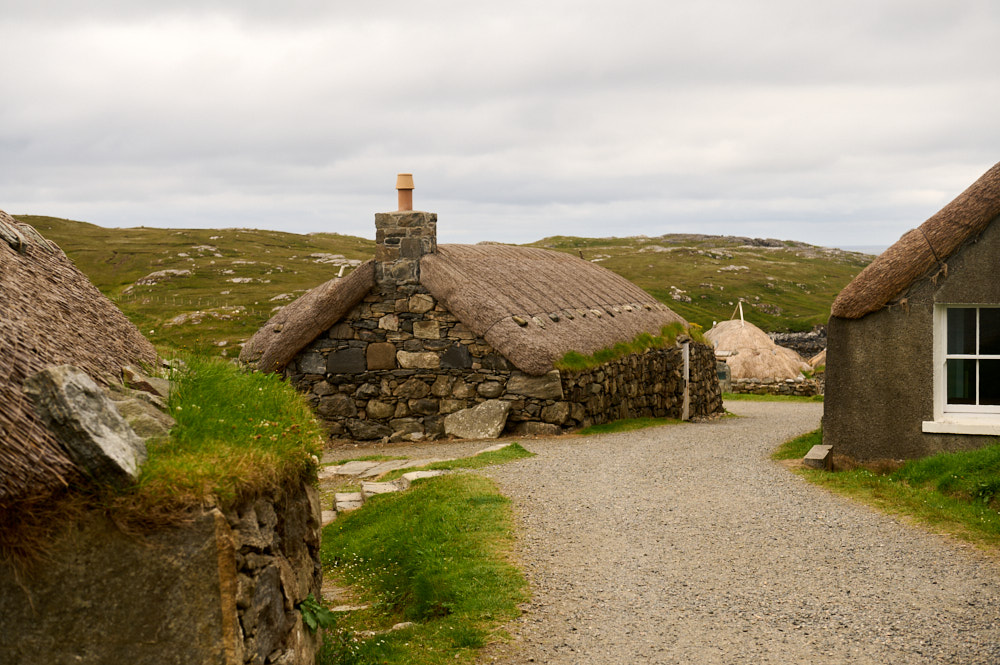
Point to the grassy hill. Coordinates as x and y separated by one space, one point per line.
208 290
785 285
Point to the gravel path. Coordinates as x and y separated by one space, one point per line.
685 544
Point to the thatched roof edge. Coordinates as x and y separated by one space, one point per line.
297 324
51 315
922 251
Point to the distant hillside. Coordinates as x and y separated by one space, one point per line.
202 290
785 285
209 290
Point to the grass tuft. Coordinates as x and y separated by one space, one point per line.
627 425
750 397
576 361
507 454
237 434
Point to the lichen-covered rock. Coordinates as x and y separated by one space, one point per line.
81 413
483 421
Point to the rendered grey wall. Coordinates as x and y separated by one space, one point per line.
879 369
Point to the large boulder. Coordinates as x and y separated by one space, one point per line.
546 386
483 421
88 424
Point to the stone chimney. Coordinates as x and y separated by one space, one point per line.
402 237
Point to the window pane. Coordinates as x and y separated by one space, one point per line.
989 330
962 330
961 381
989 382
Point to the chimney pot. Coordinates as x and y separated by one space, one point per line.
404 190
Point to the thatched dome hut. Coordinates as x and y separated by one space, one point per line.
751 354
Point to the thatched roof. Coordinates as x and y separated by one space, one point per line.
923 251
567 304
818 359
301 321
756 356
531 305
50 314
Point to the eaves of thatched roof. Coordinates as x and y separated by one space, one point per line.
923 251
301 321
531 305
50 314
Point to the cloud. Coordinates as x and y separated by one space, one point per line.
525 119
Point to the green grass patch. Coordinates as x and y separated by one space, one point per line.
971 475
437 555
956 493
367 458
237 434
575 361
507 454
750 397
799 446
627 425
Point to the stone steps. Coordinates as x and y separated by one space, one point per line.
369 472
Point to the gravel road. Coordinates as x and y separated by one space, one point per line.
686 544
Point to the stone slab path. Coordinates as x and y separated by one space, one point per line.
686 544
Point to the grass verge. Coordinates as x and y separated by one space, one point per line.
436 555
506 454
750 397
955 493
627 425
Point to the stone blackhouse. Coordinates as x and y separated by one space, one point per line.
426 330
913 355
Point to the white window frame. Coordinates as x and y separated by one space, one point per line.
956 419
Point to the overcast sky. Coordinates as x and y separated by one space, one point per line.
836 123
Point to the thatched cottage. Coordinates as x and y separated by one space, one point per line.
913 355
74 585
426 330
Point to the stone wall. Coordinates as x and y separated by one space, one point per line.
798 386
398 363
646 385
276 544
223 588
806 344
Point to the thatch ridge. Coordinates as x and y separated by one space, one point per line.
922 251
566 303
300 322
50 314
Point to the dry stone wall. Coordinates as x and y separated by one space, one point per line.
647 385
222 588
399 362
799 386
